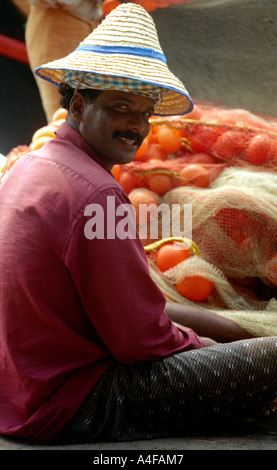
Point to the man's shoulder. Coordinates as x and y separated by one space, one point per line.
69 163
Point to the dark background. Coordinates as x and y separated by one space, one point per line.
21 112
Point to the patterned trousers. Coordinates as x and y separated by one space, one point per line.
166 397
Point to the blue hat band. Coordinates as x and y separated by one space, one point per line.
138 51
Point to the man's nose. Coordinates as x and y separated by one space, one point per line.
137 123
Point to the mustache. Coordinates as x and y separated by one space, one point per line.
136 136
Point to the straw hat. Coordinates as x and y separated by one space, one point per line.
122 53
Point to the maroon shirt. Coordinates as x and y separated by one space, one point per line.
69 305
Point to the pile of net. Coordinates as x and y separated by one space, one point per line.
219 46
234 224
234 211
223 50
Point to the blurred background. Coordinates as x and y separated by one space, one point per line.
21 111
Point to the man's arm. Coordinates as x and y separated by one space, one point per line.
205 323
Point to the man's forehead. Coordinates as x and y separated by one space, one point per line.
114 95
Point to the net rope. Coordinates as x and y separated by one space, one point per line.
223 50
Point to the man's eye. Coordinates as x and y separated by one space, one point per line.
147 114
121 107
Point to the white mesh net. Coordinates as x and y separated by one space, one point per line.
223 50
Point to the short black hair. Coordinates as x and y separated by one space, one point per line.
67 92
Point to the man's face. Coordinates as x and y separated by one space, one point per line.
115 124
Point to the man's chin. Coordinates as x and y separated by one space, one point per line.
126 158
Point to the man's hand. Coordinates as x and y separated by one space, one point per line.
208 341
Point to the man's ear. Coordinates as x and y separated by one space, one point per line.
77 106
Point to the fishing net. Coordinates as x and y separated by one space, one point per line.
236 301
223 50
225 53
234 210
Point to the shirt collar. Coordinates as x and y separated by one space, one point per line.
66 132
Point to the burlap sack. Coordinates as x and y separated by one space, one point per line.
52 34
